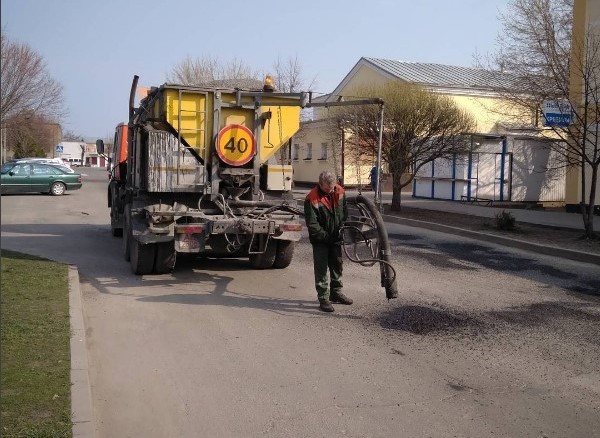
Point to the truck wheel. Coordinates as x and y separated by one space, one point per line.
116 231
165 257
113 204
142 257
266 259
284 254
127 233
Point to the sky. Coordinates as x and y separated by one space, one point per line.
95 47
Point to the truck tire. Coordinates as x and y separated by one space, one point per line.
165 257
127 233
113 204
266 259
116 231
284 254
142 257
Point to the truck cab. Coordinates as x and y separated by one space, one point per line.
117 171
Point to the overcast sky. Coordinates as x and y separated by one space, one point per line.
95 47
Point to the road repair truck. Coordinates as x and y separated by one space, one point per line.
187 171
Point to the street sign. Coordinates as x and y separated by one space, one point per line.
59 148
557 113
236 145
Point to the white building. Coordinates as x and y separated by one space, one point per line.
73 152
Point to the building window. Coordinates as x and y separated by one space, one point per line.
296 152
308 151
323 151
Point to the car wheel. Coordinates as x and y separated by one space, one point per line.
57 189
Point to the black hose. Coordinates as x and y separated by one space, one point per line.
388 274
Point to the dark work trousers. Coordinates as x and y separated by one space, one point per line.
327 258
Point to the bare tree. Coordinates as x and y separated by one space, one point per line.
69 135
289 76
31 101
419 127
535 47
26 85
207 69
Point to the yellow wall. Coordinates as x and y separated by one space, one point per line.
365 77
585 12
317 133
484 109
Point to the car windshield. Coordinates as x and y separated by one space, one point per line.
6 167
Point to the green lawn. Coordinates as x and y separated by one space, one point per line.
35 391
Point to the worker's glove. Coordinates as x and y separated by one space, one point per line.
337 237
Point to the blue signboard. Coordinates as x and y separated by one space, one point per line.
59 148
558 120
557 113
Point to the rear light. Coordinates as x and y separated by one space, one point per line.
79 180
189 228
290 227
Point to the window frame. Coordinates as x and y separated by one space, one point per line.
308 152
323 151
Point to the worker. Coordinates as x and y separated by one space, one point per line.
373 175
325 211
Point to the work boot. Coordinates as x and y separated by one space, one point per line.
325 305
340 298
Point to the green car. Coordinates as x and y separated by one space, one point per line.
37 177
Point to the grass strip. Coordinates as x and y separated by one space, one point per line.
34 323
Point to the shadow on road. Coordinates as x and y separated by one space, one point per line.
101 265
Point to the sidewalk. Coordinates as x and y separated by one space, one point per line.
557 219
541 217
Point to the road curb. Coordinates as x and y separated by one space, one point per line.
570 254
81 396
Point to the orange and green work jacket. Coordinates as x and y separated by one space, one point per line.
325 213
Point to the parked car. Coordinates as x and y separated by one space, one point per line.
18 177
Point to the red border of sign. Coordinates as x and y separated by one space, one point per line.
229 128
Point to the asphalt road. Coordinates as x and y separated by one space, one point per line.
482 341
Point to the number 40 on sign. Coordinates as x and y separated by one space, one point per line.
236 145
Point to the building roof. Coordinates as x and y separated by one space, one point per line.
434 74
431 75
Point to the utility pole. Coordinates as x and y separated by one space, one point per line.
3 136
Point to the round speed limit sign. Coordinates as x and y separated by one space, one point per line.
236 145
